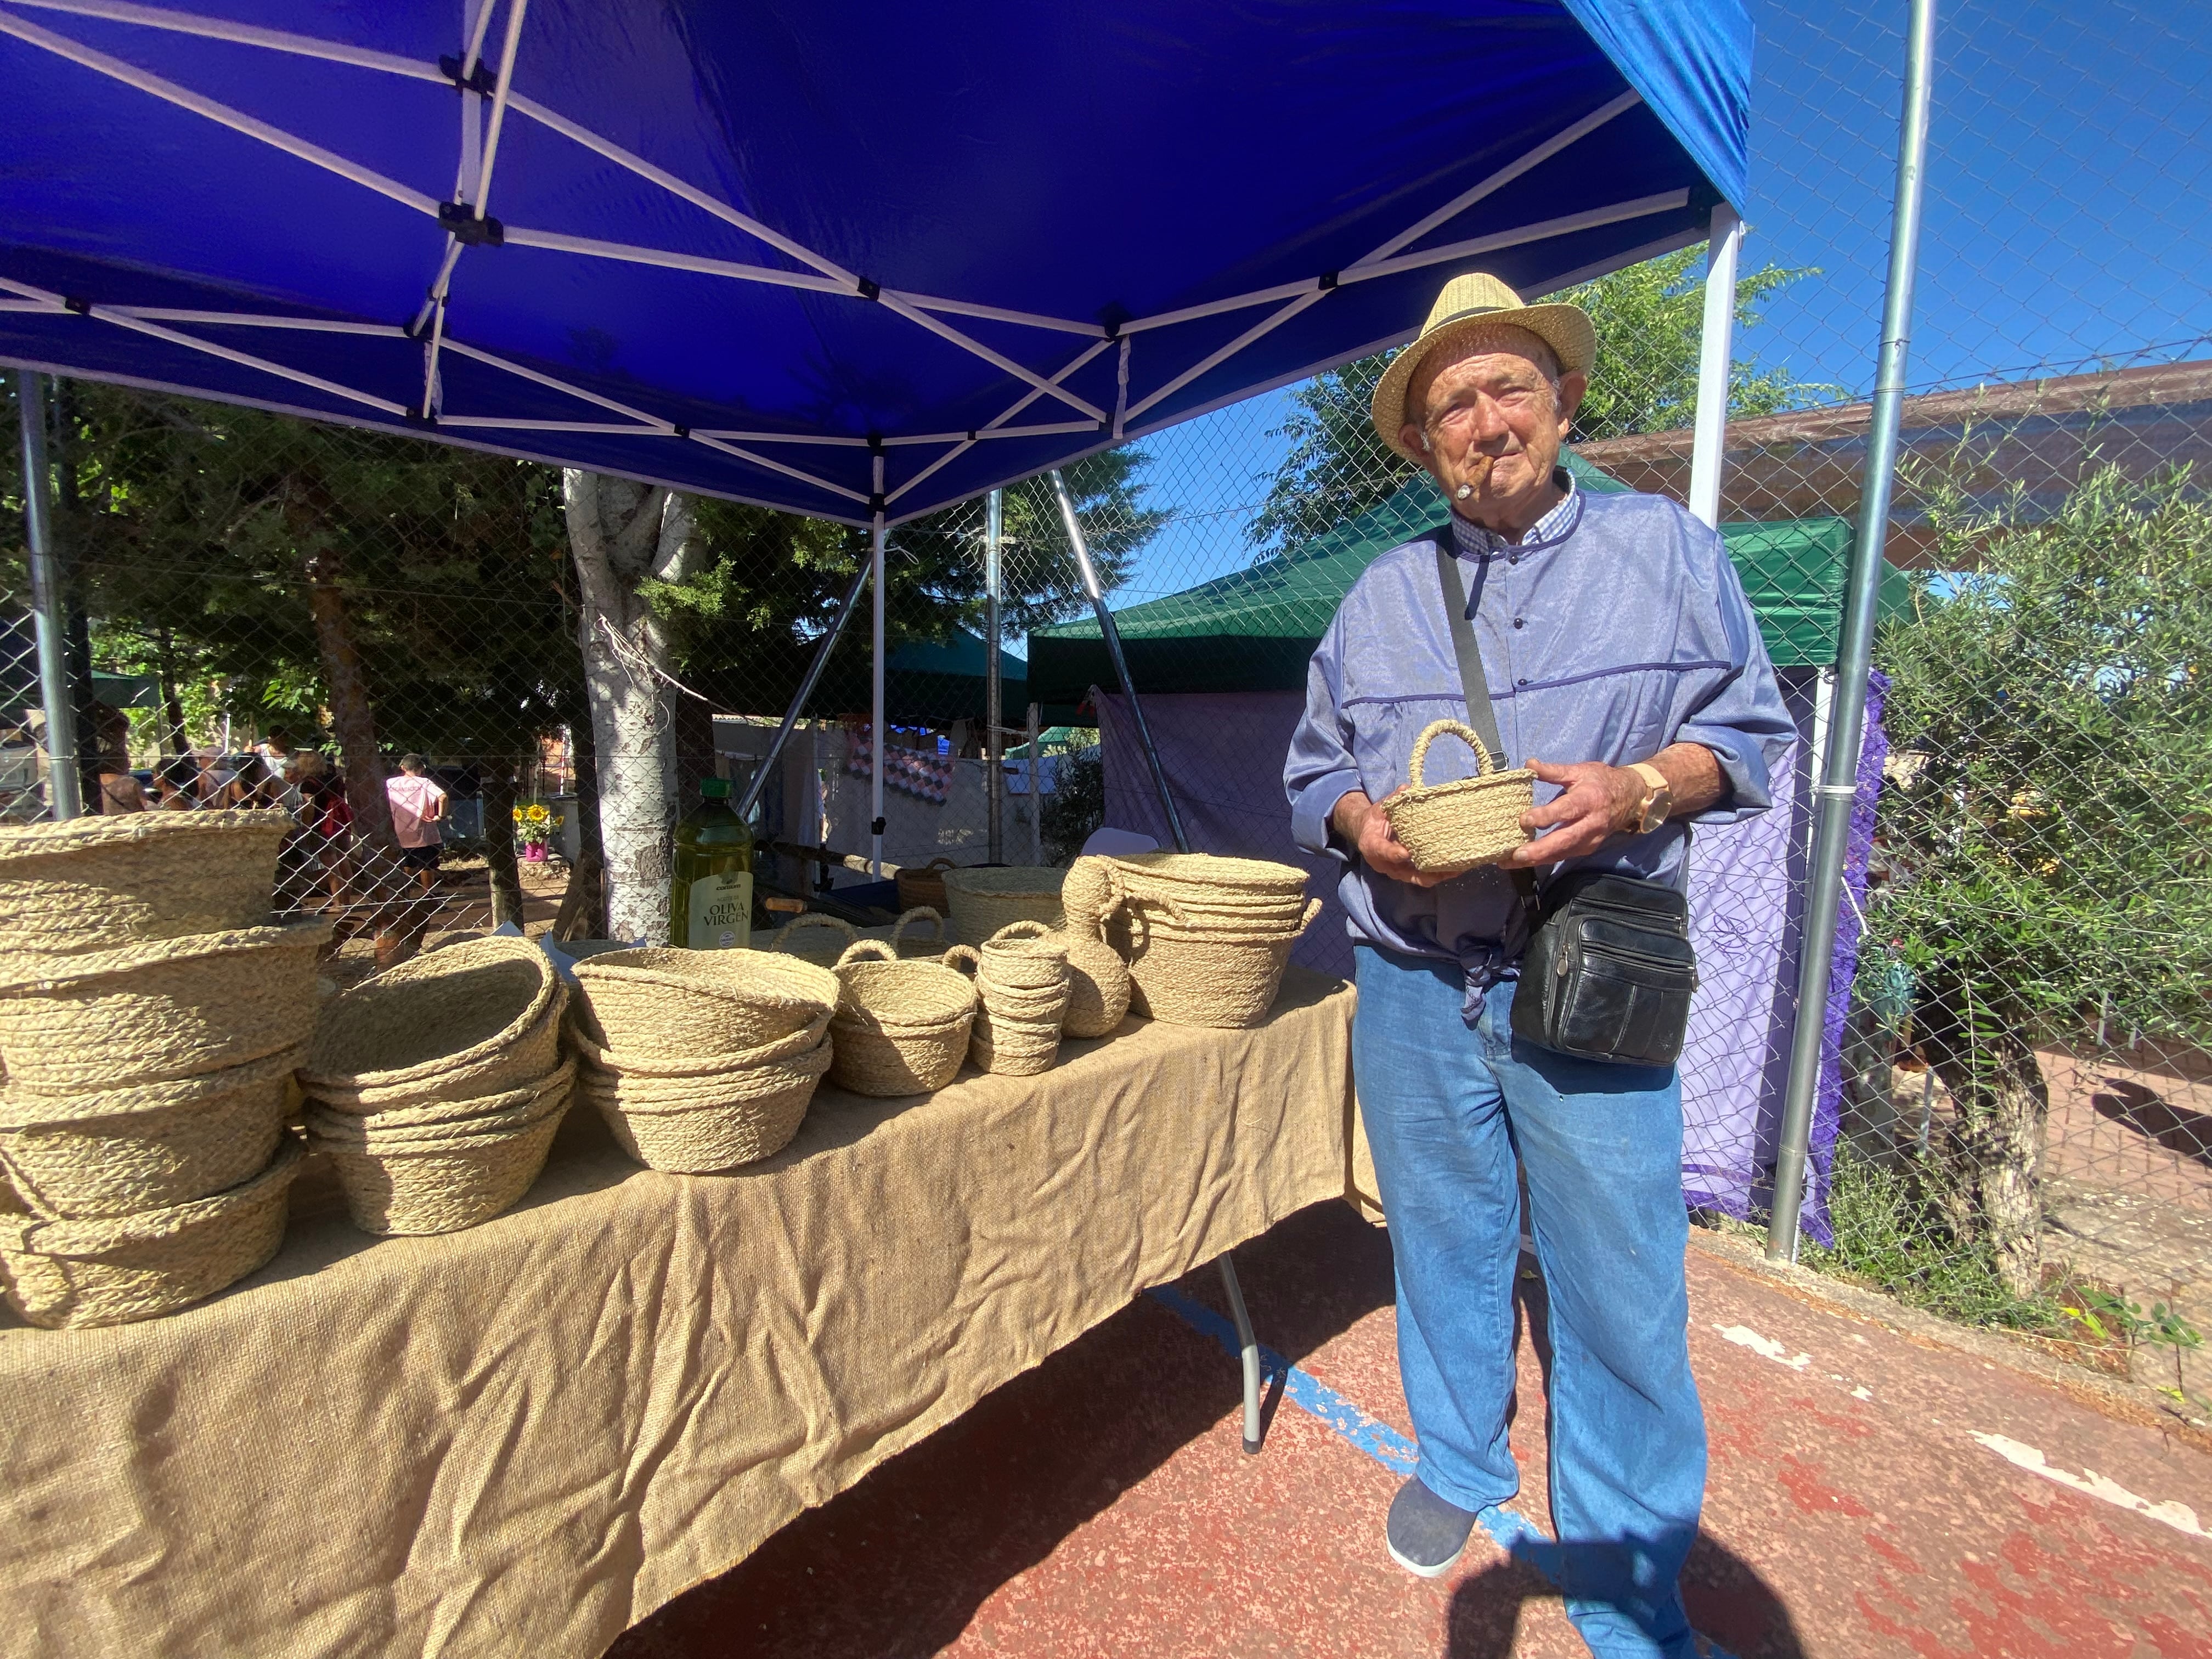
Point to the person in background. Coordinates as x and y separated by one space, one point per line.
275 748
175 785
118 788
326 813
418 811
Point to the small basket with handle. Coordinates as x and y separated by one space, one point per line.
1470 820
924 886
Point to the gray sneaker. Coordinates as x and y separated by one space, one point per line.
1426 1536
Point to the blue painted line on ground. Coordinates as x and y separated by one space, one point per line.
1510 1530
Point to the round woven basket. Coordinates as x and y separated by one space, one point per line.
698 1002
418 1177
900 1027
680 1071
120 1151
1215 979
1022 986
925 886
479 1017
695 1126
986 899
1458 825
152 1012
80 884
815 937
63 1274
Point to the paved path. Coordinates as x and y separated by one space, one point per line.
1870 1495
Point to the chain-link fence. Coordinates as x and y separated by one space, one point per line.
2014 1125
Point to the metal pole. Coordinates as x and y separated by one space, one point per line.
805 689
1037 785
1121 663
64 796
995 775
1715 360
876 706
1838 788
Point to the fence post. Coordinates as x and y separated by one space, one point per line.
1716 357
877 732
994 777
1839 786
64 796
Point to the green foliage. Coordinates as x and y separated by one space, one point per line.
1649 317
1077 805
2049 716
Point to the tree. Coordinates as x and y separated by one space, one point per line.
1649 317
2048 839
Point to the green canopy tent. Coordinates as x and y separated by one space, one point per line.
1253 630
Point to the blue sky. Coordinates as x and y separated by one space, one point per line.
2067 222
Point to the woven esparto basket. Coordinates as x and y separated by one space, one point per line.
901 1027
927 947
151 1012
1458 825
1023 985
119 1151
923 887
1213 978
479 1017
644 1070
814 936
420 1177
80 884
697 1125
986 899
698 1002
116 1268
1098 979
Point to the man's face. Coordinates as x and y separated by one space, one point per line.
1492 419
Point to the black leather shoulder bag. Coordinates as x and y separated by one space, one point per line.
1610 971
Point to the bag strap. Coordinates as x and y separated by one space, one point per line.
1474 687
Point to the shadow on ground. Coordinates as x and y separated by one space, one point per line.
898 1565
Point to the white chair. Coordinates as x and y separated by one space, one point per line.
1113 842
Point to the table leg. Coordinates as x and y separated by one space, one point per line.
1249 1346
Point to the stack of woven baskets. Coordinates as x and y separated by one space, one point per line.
1207 937
436 1088
1021 986
149 1023
991 896
702 1060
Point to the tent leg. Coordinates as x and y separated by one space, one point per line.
65 795
1036 720
805 690
1707 453
1834 795
995 776
880 738
1248 1347
1121 663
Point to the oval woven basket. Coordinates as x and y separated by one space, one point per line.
152 1012
417 1178
900 1027
1458 825
678 1071
119 1151
698 1002
64 1274
814 936
925 886
80 885
479 1017
1218 980
983 900
698 1125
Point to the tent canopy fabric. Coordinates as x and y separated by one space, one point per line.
835 259
1255 630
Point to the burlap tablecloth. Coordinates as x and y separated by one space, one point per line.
520 1439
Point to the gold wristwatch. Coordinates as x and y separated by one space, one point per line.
1658 798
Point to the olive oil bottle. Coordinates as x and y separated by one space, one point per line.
710 895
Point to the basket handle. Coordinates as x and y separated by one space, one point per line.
1313 909
1018 930
1486 762
919 913
965 951
812 918
935 863
860 949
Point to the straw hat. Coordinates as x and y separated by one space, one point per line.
1468 305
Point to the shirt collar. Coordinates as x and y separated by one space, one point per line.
1553 527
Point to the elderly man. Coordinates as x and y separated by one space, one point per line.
1620 653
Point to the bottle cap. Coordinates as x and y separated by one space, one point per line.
714 788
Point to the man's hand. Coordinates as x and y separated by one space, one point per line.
1362 823
1598 802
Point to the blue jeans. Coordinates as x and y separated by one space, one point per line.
1448 1110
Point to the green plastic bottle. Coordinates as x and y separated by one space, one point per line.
710 896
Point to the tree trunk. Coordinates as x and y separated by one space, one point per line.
352 719
621 533
173 706
499 841
583 911
1993 1145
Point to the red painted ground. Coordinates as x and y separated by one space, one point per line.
1100 1506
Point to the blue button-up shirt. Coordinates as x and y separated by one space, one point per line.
1616 627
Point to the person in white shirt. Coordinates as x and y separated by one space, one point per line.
418 808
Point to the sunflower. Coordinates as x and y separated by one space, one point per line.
539 815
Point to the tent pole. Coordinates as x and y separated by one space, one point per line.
64 797
876 695
1834 794
1121 663
1037 785
1717 343
994 777
806 685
